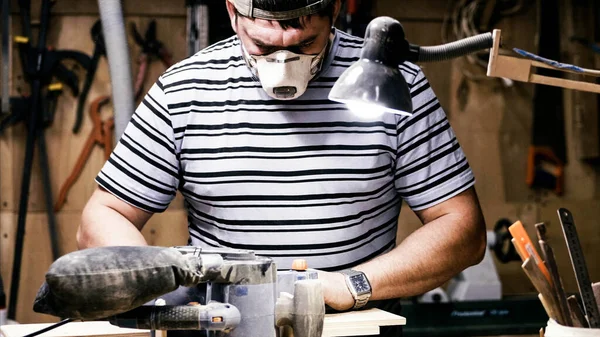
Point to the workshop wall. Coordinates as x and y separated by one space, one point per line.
492 122
70 29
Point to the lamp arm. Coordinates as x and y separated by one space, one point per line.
450 50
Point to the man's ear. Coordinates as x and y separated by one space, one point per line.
233 14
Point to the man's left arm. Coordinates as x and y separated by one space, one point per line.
451 239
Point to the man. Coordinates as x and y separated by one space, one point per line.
266 162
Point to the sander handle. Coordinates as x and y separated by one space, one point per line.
214 316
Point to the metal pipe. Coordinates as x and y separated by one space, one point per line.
117 53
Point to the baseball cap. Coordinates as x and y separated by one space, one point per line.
247 8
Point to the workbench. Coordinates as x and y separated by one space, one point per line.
353 323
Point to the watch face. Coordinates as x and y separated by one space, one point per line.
360 283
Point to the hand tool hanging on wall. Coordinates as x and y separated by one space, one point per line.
5 19
101 135
151 49
547 153
52 66
20 106
197 26
40 65
99 51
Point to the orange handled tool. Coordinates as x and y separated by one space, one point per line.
526 249
101 135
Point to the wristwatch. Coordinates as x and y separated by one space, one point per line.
359 286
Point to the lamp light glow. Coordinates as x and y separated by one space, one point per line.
366 110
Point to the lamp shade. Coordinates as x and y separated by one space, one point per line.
369 87
374 84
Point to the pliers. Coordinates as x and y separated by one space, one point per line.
151 49
101 135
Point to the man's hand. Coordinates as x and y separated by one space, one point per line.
451 239
336 291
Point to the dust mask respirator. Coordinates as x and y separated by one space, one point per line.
284 75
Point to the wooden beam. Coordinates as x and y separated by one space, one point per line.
522 69
581 108
412 10
160 8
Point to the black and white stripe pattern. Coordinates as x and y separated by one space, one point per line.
288 179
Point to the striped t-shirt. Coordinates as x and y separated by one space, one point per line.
303 178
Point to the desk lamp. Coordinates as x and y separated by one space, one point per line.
374 85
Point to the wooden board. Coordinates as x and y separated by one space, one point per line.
73 329
581 106
356 323
129 7
413 10
353 323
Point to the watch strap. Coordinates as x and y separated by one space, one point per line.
359 301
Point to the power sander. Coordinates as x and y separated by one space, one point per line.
245 295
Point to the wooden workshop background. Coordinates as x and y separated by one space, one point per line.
492 123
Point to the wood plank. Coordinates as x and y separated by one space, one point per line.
364 318
130 8
582 110
412 10
366 322
74 329
7 221
356 331
36 259
7 179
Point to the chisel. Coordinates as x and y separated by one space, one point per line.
526 249
550 261
543 287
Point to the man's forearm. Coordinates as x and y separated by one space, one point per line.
426 259
104 226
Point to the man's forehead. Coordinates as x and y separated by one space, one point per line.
270 32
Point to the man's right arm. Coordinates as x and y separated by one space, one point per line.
109 221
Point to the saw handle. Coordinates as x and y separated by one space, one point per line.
545 169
